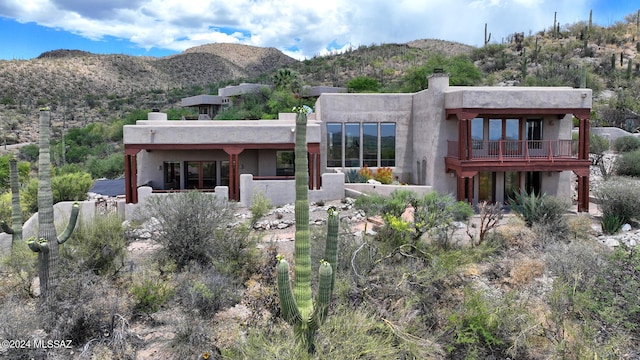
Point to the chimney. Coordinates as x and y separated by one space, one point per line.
439 80
155 114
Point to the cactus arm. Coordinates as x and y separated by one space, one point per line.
323 297
288 305
73 219
6 228
331 249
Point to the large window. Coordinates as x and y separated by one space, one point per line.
284 163
201 175
352 144
334 145
371 144
388 144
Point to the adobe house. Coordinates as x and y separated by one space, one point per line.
478 143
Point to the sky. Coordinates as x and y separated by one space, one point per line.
300 29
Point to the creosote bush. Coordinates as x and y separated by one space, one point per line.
619 198
98 245
628 164
197 228
626 144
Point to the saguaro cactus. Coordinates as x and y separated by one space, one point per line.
16 212
46 245
297 306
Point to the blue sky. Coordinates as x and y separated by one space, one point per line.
299 29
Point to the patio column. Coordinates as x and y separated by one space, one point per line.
583 154
464 134
131 175
234 171
313 150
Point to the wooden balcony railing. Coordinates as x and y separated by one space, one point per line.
517 150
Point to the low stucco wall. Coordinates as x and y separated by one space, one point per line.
136 211
386 190
282 192
61 214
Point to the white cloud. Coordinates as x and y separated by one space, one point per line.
300 29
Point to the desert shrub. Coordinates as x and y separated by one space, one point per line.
21 263
205 292
98 245
628 164
371 204
598 145
346 333
193 340
595 290
619 197
260 206
384 175
366 172
66 187
110 167
198 228
542 209
83 308
150 292
626 144
18 319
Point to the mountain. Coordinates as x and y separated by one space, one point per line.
81 87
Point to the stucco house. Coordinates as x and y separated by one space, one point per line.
478 143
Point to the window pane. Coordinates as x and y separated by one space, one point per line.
171 175
370 144
334 145
193 175
495 129
512 128
352 145
284 163
208 175
388 144
224 173
477 129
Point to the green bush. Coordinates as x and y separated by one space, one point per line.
626 144
111 167
620 198
198 228
66 187
541 209
205 292
150 292
628 164
260 206
98 246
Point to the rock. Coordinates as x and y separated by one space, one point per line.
626 227
611 242
374 182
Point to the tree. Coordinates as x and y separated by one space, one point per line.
363 84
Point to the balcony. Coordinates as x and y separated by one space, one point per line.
516 155
517 150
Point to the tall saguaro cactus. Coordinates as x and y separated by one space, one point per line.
16 212
47 243
298 308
